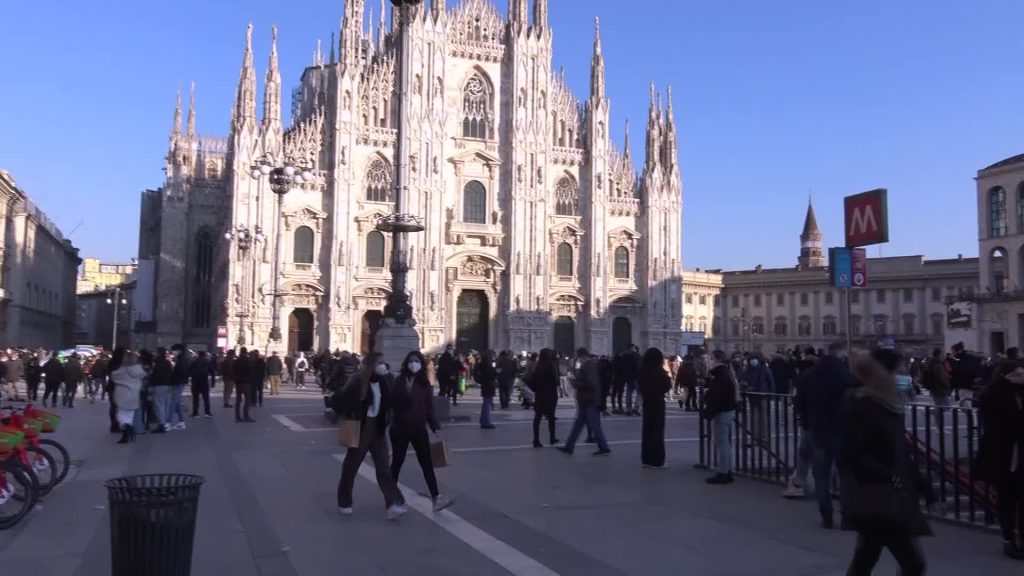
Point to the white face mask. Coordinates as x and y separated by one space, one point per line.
754 363
381 370
414 367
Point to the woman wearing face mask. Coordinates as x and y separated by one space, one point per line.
367 398
412 403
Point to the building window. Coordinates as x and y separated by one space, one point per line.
688 325
703 299
378 181
703 325
997 212
804 326
622 264
880 296
564 259
478 108
303 248
998 267
828 326
828 297
780 299
375 249
803 299
689 298
735 301
936 324
715 300
855 325
757 300
757 326
881 324
908 324
474 203
781 327
854 297
936 294
908 295
567 200
734 328
202 280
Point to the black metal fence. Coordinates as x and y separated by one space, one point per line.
943 440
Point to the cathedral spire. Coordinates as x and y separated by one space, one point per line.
626 151
272 93
437 8
540 14
192 111
333 59
176 125
381 30
597 89
811 253
653 158
670 145
352 31
517 14
245 100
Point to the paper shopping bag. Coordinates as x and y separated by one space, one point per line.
348 433
439 453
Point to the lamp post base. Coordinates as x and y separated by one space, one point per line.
394 342
275 334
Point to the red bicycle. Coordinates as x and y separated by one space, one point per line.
19 486
29 453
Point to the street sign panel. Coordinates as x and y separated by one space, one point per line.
859 266
867 218
840 267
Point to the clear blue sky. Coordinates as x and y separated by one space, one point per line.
775 100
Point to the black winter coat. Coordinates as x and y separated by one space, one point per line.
824 393
199 373
544 383
412 405
486 376
720 395
54 371
1002 414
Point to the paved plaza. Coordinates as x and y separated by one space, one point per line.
268 506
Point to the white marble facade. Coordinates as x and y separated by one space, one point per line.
539 230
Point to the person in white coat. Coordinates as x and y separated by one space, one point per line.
128 379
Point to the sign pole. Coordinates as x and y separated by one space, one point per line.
849 328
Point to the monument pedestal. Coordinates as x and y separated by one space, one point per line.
394 342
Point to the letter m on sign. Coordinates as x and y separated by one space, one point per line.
867 218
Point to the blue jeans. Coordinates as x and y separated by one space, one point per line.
723 425
804 457
590 417
824 458
485 411
162 403
177 412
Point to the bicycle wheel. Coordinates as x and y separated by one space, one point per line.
44 467
60 455
17 494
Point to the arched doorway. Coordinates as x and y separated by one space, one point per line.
622 334
371 322
565 336
300 331
472 321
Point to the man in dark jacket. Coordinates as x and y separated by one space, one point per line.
160 384
72 376
588 388
53 372
179 379
243 394
275 367
824 394
200 377
1001 458
257 376
760 382
487 377
507 368
720 407
448 367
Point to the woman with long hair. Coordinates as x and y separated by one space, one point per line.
367 398
412 405
654 384
544 383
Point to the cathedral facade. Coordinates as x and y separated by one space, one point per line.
539 231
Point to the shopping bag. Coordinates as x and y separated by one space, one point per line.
348 433
462 386
438 453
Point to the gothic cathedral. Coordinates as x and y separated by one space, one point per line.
539 231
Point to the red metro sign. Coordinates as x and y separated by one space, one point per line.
867 218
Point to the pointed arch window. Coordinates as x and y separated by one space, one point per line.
478 108
302 251
567 200
565 255
378 181
622 263
375 249
202 279
474 203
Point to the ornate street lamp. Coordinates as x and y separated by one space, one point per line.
283 176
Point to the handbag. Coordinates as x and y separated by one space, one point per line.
348 433
439 453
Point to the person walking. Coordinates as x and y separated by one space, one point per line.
1001 457
33 376
98 373
243 391
687 380
301 367
227 376
487 377
14 371
720 407
588 386
448 367
127 381
507 368
828 384
199 375
878 481
53 374
367 398
275 368
72 376
654 384
412 413
544 383
257 377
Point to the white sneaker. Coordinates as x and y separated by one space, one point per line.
793 490
397 511
344 511
442 502
179 426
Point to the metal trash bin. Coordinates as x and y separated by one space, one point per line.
153 523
